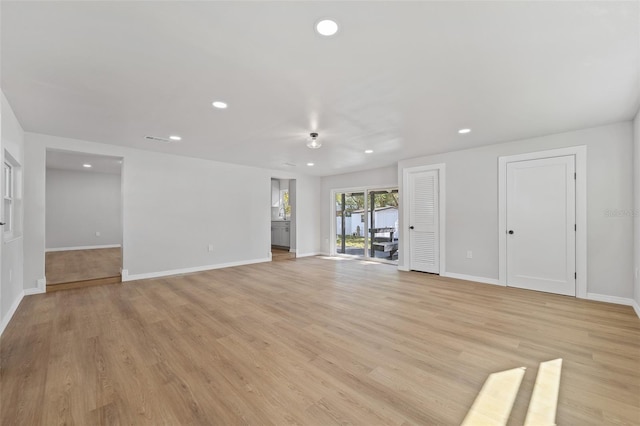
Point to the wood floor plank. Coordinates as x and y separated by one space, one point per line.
82 265
313 341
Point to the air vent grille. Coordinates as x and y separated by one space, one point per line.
157 139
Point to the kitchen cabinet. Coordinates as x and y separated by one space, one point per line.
280 233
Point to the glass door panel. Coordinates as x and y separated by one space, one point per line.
350 223
383 224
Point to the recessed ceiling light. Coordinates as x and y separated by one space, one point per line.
327 27
88 166
463 131
175 138
219 104
369 151
310 164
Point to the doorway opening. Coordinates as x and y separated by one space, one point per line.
366 223
83 231
283 219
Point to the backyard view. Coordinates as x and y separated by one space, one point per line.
361 230
352 241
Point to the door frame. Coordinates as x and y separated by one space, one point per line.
580 154
405 198
333 250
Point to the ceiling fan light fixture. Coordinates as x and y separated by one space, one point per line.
314 143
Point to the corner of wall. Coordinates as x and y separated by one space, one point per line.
12 252
12 310
636 213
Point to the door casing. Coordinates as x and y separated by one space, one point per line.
333 250
403 257
580 154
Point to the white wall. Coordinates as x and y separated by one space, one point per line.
11 280
79 204
375 178
173 208
472 205
307 215
636 210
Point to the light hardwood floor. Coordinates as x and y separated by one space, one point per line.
311 341
278 254
81 265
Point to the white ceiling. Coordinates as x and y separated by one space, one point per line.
399 77
65 160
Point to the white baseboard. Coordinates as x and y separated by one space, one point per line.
314 253
33 290
636 307
292 250
12 311
42 284
135 277
483 280
614 299
83 248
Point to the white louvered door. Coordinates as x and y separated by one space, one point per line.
424 238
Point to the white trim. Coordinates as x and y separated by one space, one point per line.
612 299
33 290
404 214
636 307
83 248
292 250
124 274
314 253
12 239
41 284
135 277
332 214
12 311
482 280
580 153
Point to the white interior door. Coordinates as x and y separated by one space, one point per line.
424 238
541 249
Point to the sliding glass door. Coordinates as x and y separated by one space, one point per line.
350 227
366 223
383 224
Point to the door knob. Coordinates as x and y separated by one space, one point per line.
510 231
411 227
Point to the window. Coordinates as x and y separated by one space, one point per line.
11 200
286 207
8 198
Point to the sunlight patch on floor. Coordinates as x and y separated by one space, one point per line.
494 402
544 400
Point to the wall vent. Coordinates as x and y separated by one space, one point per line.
157 139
